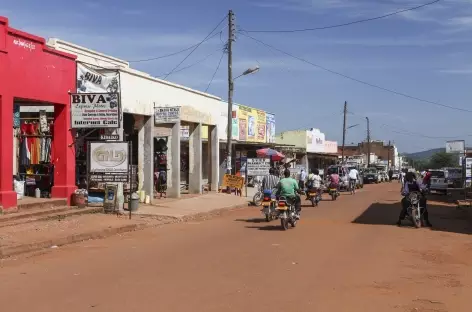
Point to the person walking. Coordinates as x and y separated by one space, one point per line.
302 179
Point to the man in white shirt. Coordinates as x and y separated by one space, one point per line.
314 181
353 177
301 182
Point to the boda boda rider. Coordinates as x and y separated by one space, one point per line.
412 185
288 187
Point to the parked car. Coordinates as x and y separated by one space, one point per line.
439 181
383 176
371 175
396 175
454 177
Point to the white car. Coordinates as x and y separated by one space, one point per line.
396 175
439 181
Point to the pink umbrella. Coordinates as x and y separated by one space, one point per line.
270 153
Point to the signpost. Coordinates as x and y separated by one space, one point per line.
257 166
108 162
95 110
166 114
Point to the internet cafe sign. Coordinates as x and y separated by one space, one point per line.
166 114
108 162
95 110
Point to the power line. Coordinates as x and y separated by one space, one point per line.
174 53
344 24
191 65
196 47
216 70
408 132
355 79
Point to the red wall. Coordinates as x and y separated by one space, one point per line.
30 70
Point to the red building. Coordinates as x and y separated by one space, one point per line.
32 72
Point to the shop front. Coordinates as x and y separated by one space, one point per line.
35 82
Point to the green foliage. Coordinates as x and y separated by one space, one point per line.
441 160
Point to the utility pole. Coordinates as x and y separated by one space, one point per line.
388 155
368 142
344 132
230 91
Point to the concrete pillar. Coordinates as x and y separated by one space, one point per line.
7 195
140 157
214 146
195 159
173 159
148 165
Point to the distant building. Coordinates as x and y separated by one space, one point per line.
381 151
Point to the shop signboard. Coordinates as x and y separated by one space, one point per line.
258 166
166 114
457 146
252 124
315 141
270 127
233 181
468 168
97 80
108 162
95 110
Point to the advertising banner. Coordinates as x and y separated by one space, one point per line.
270 127
95 110
455 146
91 80
258 166
252 124
166 114
108 162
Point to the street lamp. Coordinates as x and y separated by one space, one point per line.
248 71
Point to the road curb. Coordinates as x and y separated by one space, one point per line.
29 248
9 251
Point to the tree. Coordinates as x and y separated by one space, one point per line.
441 160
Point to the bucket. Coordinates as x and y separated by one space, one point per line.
79 200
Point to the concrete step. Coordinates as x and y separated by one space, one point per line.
58 213
29 203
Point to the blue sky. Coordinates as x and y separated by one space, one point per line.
424 53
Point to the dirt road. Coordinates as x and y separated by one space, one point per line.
343 256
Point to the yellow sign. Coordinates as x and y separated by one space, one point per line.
252 124
233 181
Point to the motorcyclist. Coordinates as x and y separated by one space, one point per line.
333 180
314 180
288 187
412 185
427 179
270 181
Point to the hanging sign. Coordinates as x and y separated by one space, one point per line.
166 114
108 161
94 110
258 166
91 80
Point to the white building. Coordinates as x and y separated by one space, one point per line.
202 118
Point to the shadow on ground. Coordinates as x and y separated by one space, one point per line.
446 218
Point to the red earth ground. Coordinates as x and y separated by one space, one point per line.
343 256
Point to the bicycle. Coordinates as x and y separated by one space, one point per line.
352 186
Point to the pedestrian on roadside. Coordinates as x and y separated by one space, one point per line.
390 174
301 182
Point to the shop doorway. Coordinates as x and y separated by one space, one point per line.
33 168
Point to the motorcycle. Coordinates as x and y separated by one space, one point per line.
314 196
269 204
286 212
415 211
334 193
257 199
